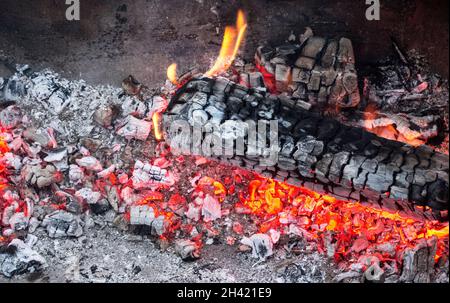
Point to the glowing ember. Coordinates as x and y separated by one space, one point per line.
389 131
264 197
288 210
4 148
440 233
269 79
153 200
285 207
209 185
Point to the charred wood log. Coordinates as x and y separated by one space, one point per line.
318 70
315 152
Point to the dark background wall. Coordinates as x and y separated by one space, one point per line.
142 37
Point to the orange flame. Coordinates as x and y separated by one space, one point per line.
156 118
232 39
172 73
231 42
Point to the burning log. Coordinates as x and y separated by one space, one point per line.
313 151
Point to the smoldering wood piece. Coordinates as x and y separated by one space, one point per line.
325 66
317 152
409 126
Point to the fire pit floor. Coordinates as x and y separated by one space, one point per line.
106 254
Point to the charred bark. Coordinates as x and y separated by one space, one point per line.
317 152
317 69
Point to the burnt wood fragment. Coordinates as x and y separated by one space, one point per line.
319 71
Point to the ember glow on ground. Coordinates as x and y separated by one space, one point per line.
3 181
286 209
